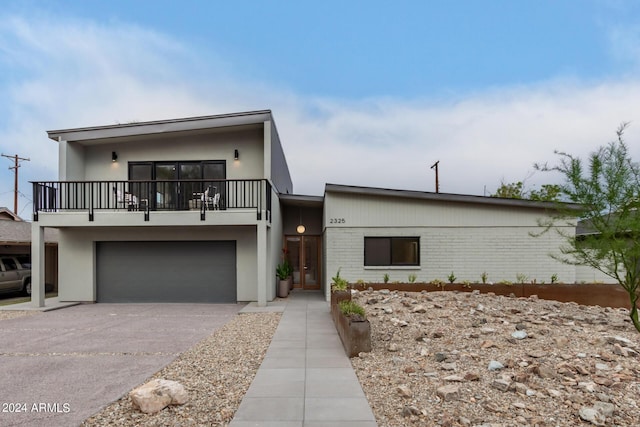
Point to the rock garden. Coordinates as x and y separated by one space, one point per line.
470 359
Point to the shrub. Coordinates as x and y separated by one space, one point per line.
412 278
352 309
385 278
484 276
339 284
452 277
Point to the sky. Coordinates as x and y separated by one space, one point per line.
368 93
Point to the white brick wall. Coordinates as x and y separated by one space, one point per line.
503 252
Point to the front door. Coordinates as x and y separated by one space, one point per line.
303 253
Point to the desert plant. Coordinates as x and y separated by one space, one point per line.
554 278
412 278
385 278
484 276
339 284
606 189
466 284
352 309
451 277
438 283
521 278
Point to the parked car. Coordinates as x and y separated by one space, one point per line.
15 274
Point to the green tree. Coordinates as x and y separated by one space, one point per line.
513 190
516 190
607 192
547 193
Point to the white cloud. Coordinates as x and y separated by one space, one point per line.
87 74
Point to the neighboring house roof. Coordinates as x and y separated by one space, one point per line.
161 126
443 197
19 233
7 215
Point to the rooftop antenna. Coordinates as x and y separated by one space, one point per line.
435 166
15 167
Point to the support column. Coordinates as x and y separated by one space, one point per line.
37 265
263 257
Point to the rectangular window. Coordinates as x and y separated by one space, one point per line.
390 251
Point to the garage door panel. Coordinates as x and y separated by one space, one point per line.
202 271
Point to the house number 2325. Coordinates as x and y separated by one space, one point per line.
336 221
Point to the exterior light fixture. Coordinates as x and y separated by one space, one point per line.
236 154
301 228
114 156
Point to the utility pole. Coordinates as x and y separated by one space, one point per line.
435 166
15 167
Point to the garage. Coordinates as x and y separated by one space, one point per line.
166 271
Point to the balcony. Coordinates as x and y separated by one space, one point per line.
147 197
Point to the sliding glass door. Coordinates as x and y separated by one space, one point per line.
178 183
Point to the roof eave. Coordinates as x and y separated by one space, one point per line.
160 126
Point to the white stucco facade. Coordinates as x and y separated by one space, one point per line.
103 155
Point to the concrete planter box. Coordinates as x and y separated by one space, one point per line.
604 295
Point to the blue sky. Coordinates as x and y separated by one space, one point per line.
363 93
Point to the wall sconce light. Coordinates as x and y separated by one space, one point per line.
114 156
236 154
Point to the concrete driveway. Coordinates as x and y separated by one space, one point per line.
58 368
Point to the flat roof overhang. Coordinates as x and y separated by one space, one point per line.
97 134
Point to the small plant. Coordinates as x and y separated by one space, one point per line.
439 283
466 284
484 277
505 282
339 284
412 278
352 309
521 278
360 282
385 278
451 277
282 271
554 278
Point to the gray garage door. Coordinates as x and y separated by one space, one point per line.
166 271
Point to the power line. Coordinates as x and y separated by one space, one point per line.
16 165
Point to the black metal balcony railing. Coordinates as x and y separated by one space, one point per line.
150 196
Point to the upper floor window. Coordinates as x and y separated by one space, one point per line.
391 251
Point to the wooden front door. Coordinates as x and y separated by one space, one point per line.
303 253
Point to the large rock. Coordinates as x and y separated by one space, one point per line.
156 395
448 393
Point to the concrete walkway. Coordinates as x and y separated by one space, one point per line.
305 379
52 303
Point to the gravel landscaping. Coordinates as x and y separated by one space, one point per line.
216 373
470 359
10 314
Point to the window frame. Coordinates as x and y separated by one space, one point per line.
415 239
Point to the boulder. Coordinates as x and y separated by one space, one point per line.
156 395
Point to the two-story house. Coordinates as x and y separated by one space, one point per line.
181 210
202 210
